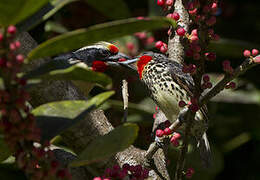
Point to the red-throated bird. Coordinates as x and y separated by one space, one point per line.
168 85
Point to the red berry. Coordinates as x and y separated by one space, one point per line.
141 35
209 85
226 63
194 107
193 11
255 52
174 141
159 133
1 37
176 135
232 85
193 69
247 53
126 166
257 59
194 32
140 17
11 29
154 115
194 38
12 46
167 131
160 2
182 103
97 178
130 46
158 44
215 37
206 78
19 58
214 7
150 40
210 56
167 123
17 44
189 173
181 31
164 48
175 16
169 2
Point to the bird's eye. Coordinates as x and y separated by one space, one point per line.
104 53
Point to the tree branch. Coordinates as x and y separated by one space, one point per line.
247 64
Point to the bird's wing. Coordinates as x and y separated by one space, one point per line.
186 82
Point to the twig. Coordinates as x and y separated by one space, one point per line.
184 148
154 146
125 98
247 64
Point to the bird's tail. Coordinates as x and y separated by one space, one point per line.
204 148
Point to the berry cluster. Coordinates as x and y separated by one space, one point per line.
174 136
206 82
161 46
126 172
16 122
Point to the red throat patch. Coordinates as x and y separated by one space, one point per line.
113 49
143 61
99 66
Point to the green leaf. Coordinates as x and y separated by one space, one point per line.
4 150
231 48
105 146
52 26
14 11
116 9
74 72
43 14
101 32
53 118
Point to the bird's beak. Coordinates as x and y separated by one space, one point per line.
117 56
130 63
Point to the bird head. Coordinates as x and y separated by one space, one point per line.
98 56
139 63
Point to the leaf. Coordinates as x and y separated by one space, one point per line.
74 72
105 146
116 9
54 27
4 150
43 14
101 32
231 48
53 118
14 11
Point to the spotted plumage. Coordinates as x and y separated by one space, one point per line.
168 85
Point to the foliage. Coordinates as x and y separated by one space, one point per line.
234 129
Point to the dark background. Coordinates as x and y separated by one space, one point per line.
234 131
